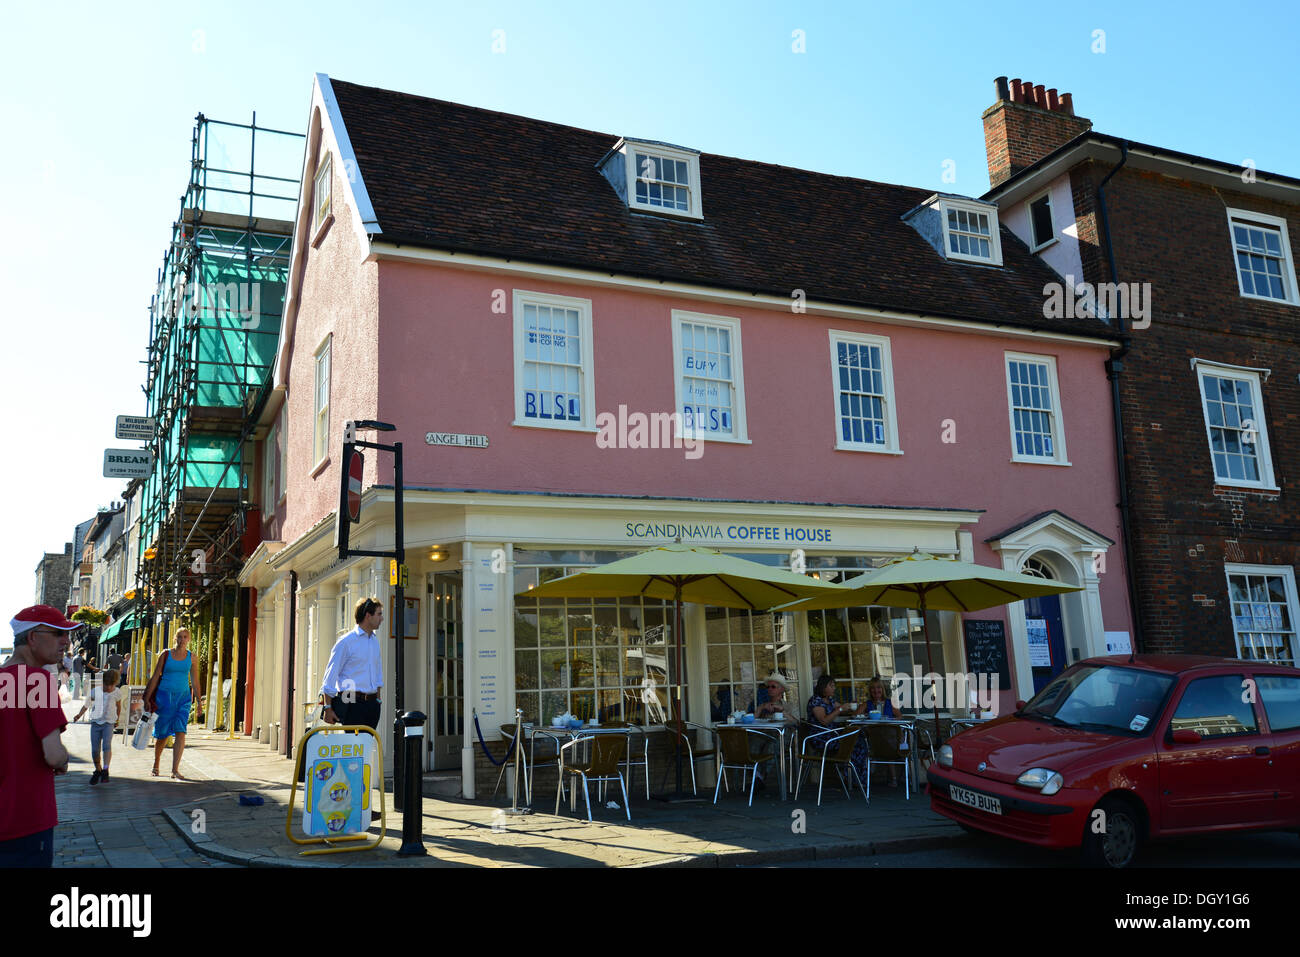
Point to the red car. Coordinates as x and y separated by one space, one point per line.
1124 748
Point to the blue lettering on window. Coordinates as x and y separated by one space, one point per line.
530 405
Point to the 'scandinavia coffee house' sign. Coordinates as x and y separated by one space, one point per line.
780 534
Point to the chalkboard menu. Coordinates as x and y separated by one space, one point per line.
986 649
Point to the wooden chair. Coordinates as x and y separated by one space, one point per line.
734 744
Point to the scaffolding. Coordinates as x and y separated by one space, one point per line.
214 328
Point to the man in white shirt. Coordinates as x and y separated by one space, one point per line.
354 673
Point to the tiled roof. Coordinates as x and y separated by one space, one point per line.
448 176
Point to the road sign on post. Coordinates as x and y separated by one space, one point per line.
349 497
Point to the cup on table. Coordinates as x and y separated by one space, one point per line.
877 715
731 719
778 716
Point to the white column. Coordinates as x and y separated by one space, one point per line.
469 666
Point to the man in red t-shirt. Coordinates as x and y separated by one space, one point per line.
31 752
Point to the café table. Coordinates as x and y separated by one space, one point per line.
768 726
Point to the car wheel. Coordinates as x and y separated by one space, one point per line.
1118 844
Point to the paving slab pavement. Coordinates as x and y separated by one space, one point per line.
136 820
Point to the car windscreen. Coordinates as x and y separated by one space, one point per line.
1105 698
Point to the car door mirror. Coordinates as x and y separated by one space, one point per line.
1187 736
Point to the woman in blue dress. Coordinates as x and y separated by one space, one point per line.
822 711
169 694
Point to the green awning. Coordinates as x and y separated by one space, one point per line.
129 623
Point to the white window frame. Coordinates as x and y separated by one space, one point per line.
740 431
322 194
1287 574
1059 456
320 431
283 425
890 445
1247 217
587 387
270 459
695 205
995 240
1035 246
1263 451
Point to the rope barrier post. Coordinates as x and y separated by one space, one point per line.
515 809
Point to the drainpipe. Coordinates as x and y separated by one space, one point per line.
1114 368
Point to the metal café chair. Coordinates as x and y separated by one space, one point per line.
682 745
887 745
607 754
632 761
805 732
734 744
836 750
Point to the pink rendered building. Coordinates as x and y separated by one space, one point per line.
590 344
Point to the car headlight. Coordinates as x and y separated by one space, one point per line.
1042 779
945 756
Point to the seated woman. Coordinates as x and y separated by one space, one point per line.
822 711
885 742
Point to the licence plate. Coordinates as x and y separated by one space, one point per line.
981 802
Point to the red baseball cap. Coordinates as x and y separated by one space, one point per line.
37 615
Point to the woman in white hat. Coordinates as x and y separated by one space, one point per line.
775 686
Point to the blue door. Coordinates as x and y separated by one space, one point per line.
1048 611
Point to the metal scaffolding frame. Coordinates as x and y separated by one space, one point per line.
214 328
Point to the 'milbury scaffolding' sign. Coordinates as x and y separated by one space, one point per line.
127 463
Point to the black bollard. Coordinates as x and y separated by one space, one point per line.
413 805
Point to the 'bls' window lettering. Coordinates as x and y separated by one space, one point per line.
709 392
552 364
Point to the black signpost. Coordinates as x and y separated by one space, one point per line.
349 512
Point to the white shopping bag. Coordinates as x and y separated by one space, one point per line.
144 731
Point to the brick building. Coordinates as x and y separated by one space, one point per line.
52 575
1191 259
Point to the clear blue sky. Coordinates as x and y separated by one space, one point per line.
98 101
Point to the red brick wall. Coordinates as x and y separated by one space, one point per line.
1174 234
1017 135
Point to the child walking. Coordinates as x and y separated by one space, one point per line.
104 704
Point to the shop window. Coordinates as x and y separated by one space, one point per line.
745 647
609 659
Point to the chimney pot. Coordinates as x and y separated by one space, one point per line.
1067 103
1040 95
1052 101
1017 91
1000 86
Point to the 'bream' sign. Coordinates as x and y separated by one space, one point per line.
127 463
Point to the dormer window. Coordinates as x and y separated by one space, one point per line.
655 177
970 232
959 228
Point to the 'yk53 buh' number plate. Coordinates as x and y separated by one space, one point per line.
981 802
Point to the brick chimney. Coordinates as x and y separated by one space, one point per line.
1025 124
